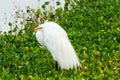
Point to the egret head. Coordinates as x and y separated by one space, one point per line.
40 27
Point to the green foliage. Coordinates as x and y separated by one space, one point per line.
94 30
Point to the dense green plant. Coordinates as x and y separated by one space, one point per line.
93 28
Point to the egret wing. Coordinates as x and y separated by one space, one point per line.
58 44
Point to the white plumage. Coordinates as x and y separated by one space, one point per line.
54 39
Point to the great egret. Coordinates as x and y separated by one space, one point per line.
53 37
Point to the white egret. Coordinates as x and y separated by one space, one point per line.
54 38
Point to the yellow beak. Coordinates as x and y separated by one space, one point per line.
36 28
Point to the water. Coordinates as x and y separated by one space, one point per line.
8 7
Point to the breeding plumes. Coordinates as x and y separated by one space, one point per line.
54 38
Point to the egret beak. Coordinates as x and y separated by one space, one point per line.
36 28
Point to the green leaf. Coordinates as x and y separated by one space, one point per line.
10 24
58 3
46 3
